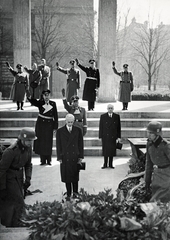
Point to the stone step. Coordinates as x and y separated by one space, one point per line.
62 114
126 132
14 233
89 149
91 122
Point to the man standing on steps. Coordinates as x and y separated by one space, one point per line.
110 133
126 85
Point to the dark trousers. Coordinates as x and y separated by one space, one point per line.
70 186
18 105
110 161
45 159
90 105
125 106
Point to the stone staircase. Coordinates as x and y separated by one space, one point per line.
133 125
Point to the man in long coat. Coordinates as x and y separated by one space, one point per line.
125 86
46 125
110 133
20 85
70 152
73 79
157 169
15 176
45 80
92 83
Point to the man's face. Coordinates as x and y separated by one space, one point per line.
70 122
151 136
27 143
20 69
46 97
125 69
75 103
43 62
110 109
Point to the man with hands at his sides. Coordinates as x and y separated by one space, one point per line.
70 152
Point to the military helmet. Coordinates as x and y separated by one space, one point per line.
27 134
155 127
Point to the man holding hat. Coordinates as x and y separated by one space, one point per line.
20 85
126 85
157 169
73 79
46 125
78 112
15 166
92 83
70 153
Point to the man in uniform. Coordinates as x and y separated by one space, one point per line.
73 79
15 163
78 112
45 72
46 125
157 169
126 85
92 83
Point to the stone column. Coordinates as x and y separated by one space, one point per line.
22 32
107 49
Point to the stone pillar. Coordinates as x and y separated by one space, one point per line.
22 32
107 49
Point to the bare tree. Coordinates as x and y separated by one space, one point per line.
49 39
151 49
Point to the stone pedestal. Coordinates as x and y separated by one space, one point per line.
107 50
22 32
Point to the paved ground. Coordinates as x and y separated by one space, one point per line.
93 179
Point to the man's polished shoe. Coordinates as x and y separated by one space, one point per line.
111 167
103 167
49 163
41 164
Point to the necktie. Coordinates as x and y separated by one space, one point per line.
70 129
110 115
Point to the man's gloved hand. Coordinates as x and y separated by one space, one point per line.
77 61
27 183
57 64
28 94
113 64
7 63
63 92
84 131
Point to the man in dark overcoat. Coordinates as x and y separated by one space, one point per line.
46 125
46 73
92 83
110 133
15 176
70 152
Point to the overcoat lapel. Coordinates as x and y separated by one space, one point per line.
110 120
70 135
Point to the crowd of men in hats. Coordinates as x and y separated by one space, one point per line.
16 164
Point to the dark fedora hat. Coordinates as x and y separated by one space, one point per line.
46 91
82 166
119 145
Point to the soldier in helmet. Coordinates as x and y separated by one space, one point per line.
157 169
15 176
